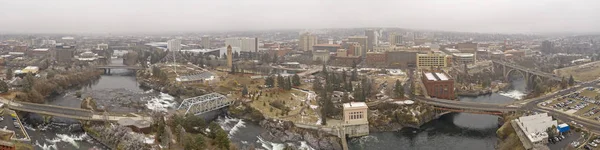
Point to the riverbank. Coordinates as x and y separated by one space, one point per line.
171 89
507 136
394 117
481 91
280 131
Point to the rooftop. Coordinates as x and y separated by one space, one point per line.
40 49
355 104
328 45
436 76
463 54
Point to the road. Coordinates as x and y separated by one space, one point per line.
532 105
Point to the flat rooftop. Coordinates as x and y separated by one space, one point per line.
436 76
355 104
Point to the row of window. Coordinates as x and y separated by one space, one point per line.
355 115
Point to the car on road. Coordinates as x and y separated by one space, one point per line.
597 141
592 144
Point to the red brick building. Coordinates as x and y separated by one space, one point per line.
438 84
376 58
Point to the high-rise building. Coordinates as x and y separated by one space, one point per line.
432 59
363 41
205 42
547 47
174 45
244 43
64 54
307 41
396 39
229 56
372 38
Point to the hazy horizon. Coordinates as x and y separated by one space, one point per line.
136 16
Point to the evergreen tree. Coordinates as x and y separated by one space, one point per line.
245 91
317 85
29 82
564 83
324 72
345 98
232 69
3 87
9 74
348 86
398 90
296 80
275 59
270 81
289 83
358 93
344 76
571 81
354 76
280 81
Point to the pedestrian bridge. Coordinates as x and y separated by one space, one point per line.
205 103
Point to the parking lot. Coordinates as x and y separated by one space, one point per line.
568 139
8 124
583 103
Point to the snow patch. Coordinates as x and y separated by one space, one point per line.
270 145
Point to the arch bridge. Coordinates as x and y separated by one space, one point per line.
528 74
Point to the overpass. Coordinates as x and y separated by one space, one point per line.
66 112
528 74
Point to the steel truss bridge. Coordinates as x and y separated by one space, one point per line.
205 103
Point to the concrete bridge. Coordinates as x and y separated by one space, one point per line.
468 107
528 74
107 68
66 112
201 104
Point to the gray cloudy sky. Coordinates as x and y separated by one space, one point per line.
122 16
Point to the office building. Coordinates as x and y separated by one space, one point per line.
341 53
534 127
402 58
376 58
547 47
174 45
354 49
244 43
432 59
64 54
438 84
363 41
355 119
327 47
307 41
372 39
396 39
205 42
464 58
467 47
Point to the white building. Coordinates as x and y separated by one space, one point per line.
244 43
205 42
355 119
174 44
102 46
535 126
466 58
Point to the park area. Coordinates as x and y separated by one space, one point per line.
584 72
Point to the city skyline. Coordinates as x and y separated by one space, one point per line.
233 15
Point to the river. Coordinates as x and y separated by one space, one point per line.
110 91
454 131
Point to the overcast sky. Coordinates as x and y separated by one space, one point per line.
124 16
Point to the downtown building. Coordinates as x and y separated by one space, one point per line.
174 45
247 45
432 59
438 84
307 41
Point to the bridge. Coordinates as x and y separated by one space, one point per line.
528 74
66 112
204 103
107 68
469 107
